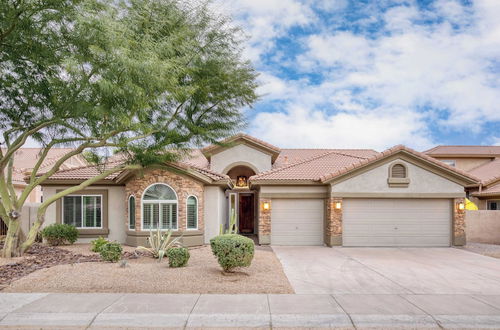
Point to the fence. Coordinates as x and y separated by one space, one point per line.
482 226
28 217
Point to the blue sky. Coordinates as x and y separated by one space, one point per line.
373 74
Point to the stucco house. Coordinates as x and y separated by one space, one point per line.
483 162
350 197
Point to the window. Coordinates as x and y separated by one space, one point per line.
398 171
192 212
494 205
450 162
83 211
131 212
159 207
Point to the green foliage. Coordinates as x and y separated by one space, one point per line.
59 234
159 243
111 251
97 244
178 256
233 229
232 251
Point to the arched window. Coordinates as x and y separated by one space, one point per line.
192 212
398 171
159 207
131 212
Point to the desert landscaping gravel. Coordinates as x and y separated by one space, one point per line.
147 275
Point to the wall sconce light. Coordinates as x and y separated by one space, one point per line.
266 206
337 205
461 206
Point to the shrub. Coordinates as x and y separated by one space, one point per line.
59 234
232 251
111 251
178 256
98 243
159 243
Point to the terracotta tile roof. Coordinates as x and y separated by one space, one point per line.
487 172
26 158
390 152
465 150
245 137
86 172
311 168
493 189
291 156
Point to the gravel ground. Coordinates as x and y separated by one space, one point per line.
147 275
85 248
490 250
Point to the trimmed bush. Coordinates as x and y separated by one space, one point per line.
111 251
178 256
98 243
232 251
59 234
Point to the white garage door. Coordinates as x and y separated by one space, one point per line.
396 222
297 221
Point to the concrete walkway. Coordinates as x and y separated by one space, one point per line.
101 310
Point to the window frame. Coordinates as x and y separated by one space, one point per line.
197 213
394 182
130 213
82 196
160 202
450 162
497 201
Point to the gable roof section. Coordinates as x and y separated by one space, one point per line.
310 169
290 156
462 176
464 151
242 139
488 172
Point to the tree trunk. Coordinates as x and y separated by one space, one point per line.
33 232
11 243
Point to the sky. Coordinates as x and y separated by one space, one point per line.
372 74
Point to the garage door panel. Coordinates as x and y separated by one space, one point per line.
297 222
396 222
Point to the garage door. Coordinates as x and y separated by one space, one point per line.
396 222
297 221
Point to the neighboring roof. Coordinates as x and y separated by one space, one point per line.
487 172
245 139
26 158
310 169
291 156
492 190
397 149
464 151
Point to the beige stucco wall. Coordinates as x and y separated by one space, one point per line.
116 211
214 212
241 155
482 226
319 191
421 182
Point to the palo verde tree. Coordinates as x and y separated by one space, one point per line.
147 78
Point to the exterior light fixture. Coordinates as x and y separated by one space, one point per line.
337 205
461 206
266 206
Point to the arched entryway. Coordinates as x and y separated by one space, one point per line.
241 199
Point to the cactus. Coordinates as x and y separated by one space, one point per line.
233 229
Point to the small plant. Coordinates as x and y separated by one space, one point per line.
59 234
233 229
111 251
98 243
232 251
159 243
178 256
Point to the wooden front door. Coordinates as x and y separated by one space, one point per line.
246 214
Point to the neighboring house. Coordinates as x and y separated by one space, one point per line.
483 162
26 158
349 197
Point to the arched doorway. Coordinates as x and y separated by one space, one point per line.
242 200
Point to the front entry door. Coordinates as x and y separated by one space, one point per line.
246 214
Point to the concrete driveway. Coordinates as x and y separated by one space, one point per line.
322 270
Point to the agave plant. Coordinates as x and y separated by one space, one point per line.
160 242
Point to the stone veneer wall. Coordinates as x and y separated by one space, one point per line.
333 222
459 238
184 186
264 222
